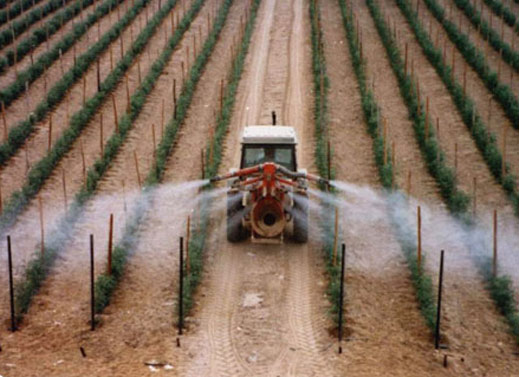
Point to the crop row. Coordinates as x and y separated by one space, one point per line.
15 9
43 168
503 11
500 287
42 34
421 281
197 242
485 141
502 92
19 26
106 283
26 77
38 268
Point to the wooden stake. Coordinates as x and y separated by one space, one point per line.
464 79
42 233
202 160
115 114
409 176
4 121
162 119
49 146
419 226
64 188
128 107
183 73
83 160
221 95
137 169
98 75
384 140
188 236
456 159
453 65
474 197
174 99
426 118
153 139
503 160
111 59
406 57
494 259
84 90
489 112
335 236
110 243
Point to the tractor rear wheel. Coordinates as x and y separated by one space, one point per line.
235 212
300 215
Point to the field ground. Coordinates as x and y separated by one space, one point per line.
260 310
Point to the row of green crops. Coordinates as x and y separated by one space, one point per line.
199 236
40 35
106 284
45 60
503 11
421 281
39 267
15 9
19 26
44 167
476 59
500 287
321 83
485 141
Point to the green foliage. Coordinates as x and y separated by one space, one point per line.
44 167
485 141
30 74
129 239
15 8
421 281
499 287
39 267
41 34
501 10
197 242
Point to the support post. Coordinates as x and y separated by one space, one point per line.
419 232
181 288
92 286
335 236
494 258
110 244
439 306
188 236
341 295
11 285
42 234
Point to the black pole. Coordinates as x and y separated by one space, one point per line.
11 288
181 288
92 285
439 309
341 296
273 118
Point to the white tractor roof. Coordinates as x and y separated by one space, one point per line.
269 135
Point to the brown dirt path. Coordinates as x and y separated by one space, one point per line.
475 86
13 174
280 335
97 212
137 326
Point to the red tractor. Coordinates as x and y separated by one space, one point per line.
267 193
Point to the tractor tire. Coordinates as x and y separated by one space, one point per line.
235 230
300 215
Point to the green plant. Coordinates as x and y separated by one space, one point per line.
39 267
41 34
421 281
43 168
15 8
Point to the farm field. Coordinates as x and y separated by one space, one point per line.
115 114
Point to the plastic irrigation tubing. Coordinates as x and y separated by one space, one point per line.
17 88
15 9
19 133
43 168
31 283
40 35
35 15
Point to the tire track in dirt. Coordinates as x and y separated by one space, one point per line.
9 74
484 337
137 326
475 86
373 265
97 211
262 339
